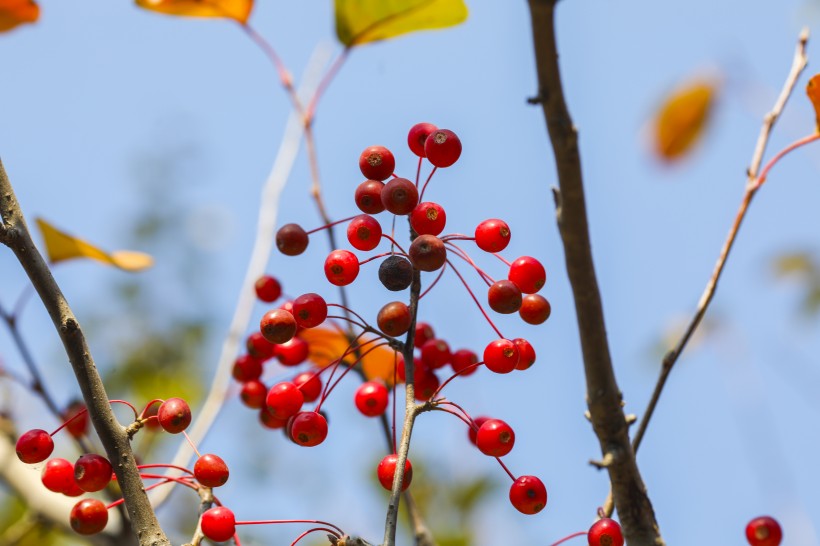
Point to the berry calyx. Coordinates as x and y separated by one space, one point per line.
387 469
368 196
58 475
310 384
364 232
394 319
34 446
535 309
504 297
218 524
492 235
92 472
174 415
88 517
418 136
501 356
284 400
605 532
528 495
308 429
427 253
309 310
528 274
371 398
495 438
377 163
341 267
396 273
278 326
291 239
443 148
764 531
267 289
211 471
428 218
400 196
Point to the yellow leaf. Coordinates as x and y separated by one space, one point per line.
239 10
680 121
17 12
363 21
62 246
327 345
813 91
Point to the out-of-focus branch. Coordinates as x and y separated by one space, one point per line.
14 234
603 396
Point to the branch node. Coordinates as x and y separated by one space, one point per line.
606 462
631 419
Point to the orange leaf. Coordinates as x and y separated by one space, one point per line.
17 12
62 246
680 121
328 345
813 91
239 10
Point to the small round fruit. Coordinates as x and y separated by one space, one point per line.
291 239
396 273
418 136
526 353
464 362
377 163
211 471
174 415
764 531
528 495
424 332
293 352
492 235
435 353
394 319
371 398
387 469
364 232
535 309
400 196
426 383
478 421
528 274
341 267
428 218
369 196
58 475
504 297
501 356
495 438
88 517
253 394
443 148
34 446
269 421
605 532
310 383
246 368
268 289
427 253
284 400
278 326
308 429
218 524
76 418
92 472
309 310
259 347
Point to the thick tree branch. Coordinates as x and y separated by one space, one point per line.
603 396
15 235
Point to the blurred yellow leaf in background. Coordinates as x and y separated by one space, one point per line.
326 345
813 91
680 121
17 12
239 10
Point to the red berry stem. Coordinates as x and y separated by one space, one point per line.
460 372
350 311
85 410
148 406
393 241
330 225
432 284
163 480
347 370
418 170
461 253
383 254
278 521
451 412
349 321
315 529
424 187
502 258
191 443
458 237
761 179
480 307
335 365
163 465
566 538
284 75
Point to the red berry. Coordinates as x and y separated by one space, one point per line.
526 354
495 438
764 531
528 274
424 332
253 394
396 273
369 196
428 218
394 319
425 383
504 297
310 384
371 398
211 471
278 326
268 289
269 421
528 495
174 415
34 446
364 232
442 147
501 356
435 353
478 421
462 362
293 352
308 429
400 196
492 235
377 163
77 426
88 517
218 524
246 368
418 135
605 532
259 347
535 309
427 253
291 239
341 267
284 399
387 470
58 476
92 472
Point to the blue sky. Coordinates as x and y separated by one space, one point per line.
95 83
